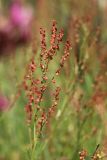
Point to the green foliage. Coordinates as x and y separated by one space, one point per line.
79 120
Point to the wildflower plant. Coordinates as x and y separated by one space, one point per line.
37 113
97 155
65 103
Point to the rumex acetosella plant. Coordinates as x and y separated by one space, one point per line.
65 111
97 154
38 114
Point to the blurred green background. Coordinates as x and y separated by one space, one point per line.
81 117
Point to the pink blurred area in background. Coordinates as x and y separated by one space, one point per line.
4 103
15 29
20 16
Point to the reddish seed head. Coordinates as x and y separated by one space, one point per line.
36 87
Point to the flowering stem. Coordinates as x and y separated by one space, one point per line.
34 143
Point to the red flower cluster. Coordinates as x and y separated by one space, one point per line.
82 154
35 87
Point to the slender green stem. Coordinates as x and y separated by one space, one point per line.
34 143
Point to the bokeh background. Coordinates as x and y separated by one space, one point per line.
81 115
